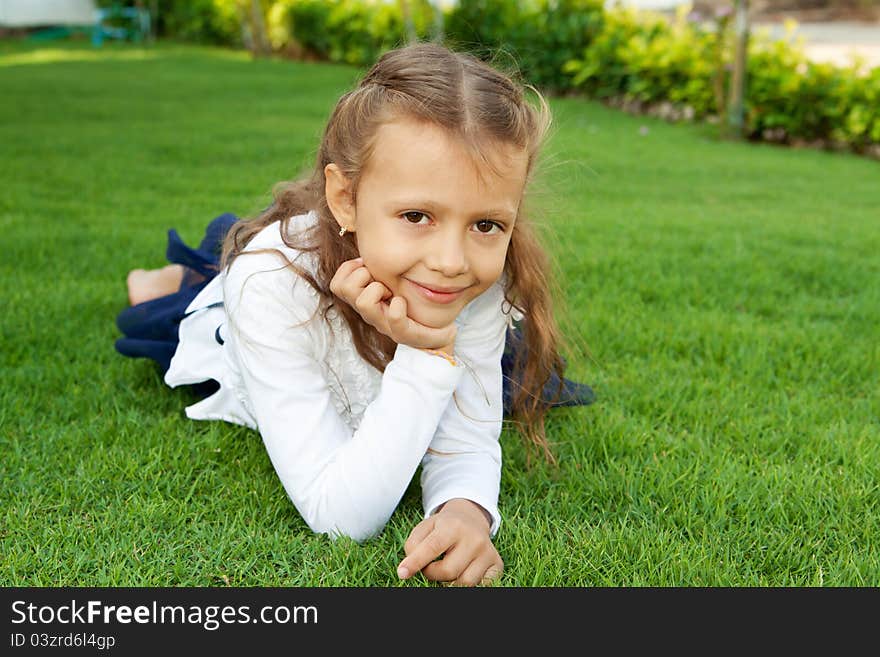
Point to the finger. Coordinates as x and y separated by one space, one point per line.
347 267
480 572
431 547
371 307
401 328
430 337
418 534
367 301
358 280
342 273
396 316
451 566
493 573
405 329
350 287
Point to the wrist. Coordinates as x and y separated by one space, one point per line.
445 352
469 507
448 349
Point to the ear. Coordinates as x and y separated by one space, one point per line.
339 197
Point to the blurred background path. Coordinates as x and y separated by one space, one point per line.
828 40
834 41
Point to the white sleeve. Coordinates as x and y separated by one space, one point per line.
341 483
464 459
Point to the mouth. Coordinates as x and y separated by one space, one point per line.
438 295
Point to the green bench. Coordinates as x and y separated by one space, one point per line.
128 23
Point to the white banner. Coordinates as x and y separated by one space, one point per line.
39 13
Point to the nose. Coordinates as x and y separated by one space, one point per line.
446 254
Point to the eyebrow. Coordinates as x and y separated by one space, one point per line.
491 213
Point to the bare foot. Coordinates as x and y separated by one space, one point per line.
148 284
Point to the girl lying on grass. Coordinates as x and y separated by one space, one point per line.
360 322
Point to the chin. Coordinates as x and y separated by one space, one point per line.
434 317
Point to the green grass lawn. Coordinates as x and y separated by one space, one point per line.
729 295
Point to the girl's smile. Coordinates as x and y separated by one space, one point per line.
436 293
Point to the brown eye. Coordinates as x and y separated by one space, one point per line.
488 225
409 216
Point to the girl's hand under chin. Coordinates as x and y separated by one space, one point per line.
354 284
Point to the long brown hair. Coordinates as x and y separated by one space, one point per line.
479 105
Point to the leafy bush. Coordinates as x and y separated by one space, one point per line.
541 35
360 32
201 21
304 21
216 22
861 120
350 31
644 59
641 57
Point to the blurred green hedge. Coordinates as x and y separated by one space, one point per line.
648 61
351 31
217 22
643 61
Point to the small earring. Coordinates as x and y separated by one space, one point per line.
342 231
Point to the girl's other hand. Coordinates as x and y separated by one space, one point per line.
460 533
385 312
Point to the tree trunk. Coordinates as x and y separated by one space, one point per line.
735 111
438 29
258 30
154 20
409 26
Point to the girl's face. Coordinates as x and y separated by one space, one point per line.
424 218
